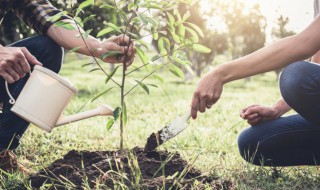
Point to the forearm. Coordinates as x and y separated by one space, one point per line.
316 58
281 107
69 39
275 56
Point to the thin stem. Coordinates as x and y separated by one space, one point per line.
124 68
94 58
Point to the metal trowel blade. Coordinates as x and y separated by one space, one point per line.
167 133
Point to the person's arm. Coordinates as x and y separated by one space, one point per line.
256 113
71 39
275 56
316 58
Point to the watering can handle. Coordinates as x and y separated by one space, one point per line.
12 100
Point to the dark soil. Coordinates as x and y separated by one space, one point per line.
153 141
133 169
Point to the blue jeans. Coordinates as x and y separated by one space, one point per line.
12 126
295 139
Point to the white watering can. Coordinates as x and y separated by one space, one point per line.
44 98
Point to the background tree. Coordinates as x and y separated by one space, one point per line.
246 28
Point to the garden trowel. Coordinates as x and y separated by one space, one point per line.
167 133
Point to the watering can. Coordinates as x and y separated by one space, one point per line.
44 98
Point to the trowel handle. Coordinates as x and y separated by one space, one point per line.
100 110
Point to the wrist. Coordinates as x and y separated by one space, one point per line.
280 108
95 47
222 73
276 111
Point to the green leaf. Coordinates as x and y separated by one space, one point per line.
159 78
196 28
161 46
106 6
176 71
74 49
105 31
131 6
87 64
89 18
134 36
87 33
155 58
171 19
84 5
116 113
64 25
110 124
186 16
151 21
55 17
167 44
143 86
143 43
142 55
193 34
110 54
175 37
95 69
115 27
100 94
200 48
155 35
153 85
189 69
143 19
124 113
78 20
111 74
182 30
178 60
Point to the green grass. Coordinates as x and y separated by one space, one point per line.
210 142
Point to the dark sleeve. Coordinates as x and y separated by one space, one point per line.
36 13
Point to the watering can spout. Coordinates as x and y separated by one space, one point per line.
100 110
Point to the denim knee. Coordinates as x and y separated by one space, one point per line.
248 147
52 53
300 88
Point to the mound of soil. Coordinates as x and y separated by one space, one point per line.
134 169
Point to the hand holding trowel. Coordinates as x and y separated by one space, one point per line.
168 132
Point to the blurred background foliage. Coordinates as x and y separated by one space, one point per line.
243 31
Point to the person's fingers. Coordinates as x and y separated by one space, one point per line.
202 105
18 69
254 121
123 40
194 106
252 110
130 61
132 49
12 73
246 108
252 116
20 60
7 77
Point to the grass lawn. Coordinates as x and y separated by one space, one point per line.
210 142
